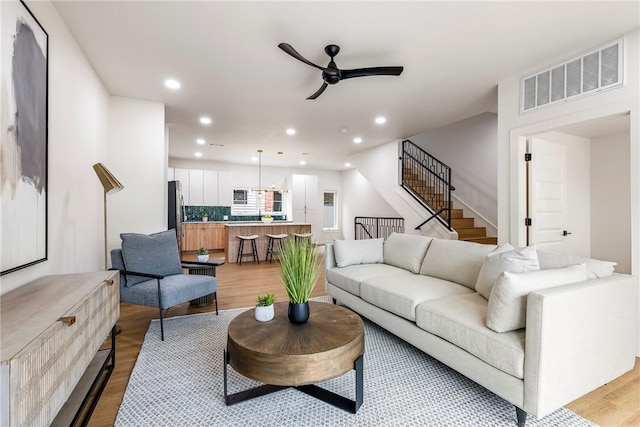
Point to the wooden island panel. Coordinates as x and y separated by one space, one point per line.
210 235
247 229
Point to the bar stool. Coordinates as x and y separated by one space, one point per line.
274 246
254 250
300 236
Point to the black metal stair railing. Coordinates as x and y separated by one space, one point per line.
367 227
428 180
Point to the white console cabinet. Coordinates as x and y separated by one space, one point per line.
52 330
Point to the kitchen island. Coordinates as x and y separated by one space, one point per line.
235 229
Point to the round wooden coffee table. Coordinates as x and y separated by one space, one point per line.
281 354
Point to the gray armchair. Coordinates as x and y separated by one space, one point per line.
151 273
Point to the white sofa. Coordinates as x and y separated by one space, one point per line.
577 336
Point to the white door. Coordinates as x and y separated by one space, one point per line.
547 201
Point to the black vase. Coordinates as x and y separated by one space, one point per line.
298 313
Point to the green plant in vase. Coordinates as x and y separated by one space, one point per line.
205 215
299 272
266 300
203 254
264 307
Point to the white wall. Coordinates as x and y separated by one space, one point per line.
610 200
578 191
78 138
137 157
468 147
512 126
361 199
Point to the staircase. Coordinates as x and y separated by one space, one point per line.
429 181
466 229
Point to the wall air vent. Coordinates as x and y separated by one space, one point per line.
585 74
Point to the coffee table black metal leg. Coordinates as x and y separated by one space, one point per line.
231 399
226 360
359 368
312 390
335 399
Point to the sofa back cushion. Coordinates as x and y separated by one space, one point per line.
455 260
154 254
595 267
350 252
406 250
505 258
507 309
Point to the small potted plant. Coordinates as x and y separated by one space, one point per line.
205 216
264 307
266 218
203 254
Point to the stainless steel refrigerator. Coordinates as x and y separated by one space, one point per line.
176 210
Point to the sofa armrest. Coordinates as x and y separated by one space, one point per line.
578 337
329 261
329 256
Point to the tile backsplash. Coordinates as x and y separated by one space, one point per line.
217 213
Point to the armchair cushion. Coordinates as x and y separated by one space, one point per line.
155 253
176 289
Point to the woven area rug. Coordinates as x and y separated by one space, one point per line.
179 382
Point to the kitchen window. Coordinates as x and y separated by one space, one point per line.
247 202
239 197
330 210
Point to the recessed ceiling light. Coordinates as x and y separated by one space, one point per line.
357 140
201 141
347 164
172 84
197 154
302 162
205 120
254 159
380 120
291 131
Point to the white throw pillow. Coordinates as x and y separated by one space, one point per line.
505 258
595 267
350 252
406 250
507 310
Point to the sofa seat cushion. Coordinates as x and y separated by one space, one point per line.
455 260
349 278
401 295
461 320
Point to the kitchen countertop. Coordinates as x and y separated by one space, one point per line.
275 222
262 224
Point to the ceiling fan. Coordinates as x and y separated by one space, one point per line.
331 74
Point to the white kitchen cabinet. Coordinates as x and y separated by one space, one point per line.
210 188
196 190
305 199
225 189
182 175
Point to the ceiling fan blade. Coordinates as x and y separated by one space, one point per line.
372 71
291 51
319 91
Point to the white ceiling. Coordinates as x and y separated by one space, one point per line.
226 56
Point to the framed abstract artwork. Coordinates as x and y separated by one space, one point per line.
23 139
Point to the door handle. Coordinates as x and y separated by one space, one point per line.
566 233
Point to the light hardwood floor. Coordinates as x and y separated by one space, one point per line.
616 404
